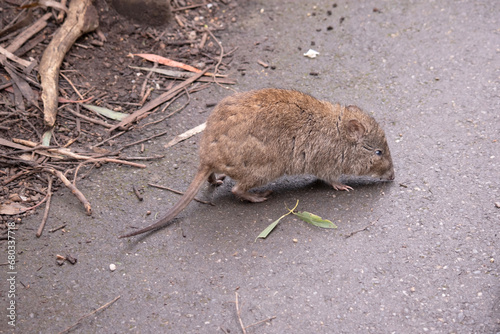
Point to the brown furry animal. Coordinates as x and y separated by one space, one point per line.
258 136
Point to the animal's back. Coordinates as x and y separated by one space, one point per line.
268 133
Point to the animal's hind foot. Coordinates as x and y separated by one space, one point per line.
251 197
216 180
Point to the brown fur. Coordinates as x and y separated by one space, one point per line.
258 136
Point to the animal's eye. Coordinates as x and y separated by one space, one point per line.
379 153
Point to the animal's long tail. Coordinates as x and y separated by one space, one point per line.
190 193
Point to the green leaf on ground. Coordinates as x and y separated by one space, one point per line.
271 227
111 114
314 219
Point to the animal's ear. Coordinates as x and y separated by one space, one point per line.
355 129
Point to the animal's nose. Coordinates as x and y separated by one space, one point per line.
389 175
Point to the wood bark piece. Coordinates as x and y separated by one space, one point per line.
22 85
28 33
183 75
186 135
15 58
82 18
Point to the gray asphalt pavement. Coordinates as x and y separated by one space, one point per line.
426 252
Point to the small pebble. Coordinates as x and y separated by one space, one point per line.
112 267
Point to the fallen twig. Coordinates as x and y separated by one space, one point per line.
154 157
189 7
142 140
63 100
179 193
92 120
47 208
137 194
97 160
180 108
34 206
22 85
57 228
30 45
67 330
15 176
110 138
74 190
72 86
82 18
186 135
15 58
221 56
183 75
363 229
238 313
156 102
168 105
28 33
20 21
259 322
263 64
12 144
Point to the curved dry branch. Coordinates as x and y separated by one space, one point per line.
82 18
74 190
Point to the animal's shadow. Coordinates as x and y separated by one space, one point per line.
282 188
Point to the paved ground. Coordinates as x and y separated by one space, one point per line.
429 72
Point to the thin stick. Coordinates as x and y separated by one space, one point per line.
116 161
28 33
15 176
186 135
57 228
142 140
363 229
96 121
203 41
144 84
34 206
238 313
137 194
221 52
15 58
178 192
72 86
156 102
180 108
154 157
30 44
73 189
47 208
67 330
189 7
219 61
169 103
259 322
112 137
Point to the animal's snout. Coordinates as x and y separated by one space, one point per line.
388 175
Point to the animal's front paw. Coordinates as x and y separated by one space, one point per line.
340 186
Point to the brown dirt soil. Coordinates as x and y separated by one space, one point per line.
98 66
